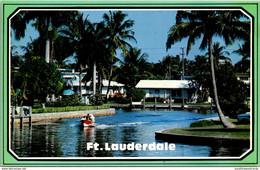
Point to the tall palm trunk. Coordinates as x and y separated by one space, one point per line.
226 123
47 51
94 77
100 81
109 81
110 77
52 57
80 70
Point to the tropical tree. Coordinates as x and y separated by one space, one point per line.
99 53
207 24
118 33
79 38
47 23
200 72
37 81
133 68
219 53
63 50
243 65
171 67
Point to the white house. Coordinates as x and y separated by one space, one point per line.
175 89
120 87
71 79
245 77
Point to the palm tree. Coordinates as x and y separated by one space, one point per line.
170 67
133 68
194 24
78 35
118 32
99 52
46 23
219 53
243 51
243 65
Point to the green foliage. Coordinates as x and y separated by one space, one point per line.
202 123
37 79
121 100
201 74
71 100
97 100
243 66
233 93
68 108
136 94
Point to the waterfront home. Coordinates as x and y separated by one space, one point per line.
174 89
71 79
245 77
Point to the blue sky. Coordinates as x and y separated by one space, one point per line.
151 29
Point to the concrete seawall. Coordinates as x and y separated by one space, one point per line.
67 115
200 140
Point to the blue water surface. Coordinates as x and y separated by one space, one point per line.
66 138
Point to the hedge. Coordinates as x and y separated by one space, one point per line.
68 108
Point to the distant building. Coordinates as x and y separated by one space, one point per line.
115 87
174 89
71 79
245 77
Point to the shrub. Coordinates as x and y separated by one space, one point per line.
68 108
202 123
122 100
136 94
97 100
71 100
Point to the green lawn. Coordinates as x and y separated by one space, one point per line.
241 131
68 108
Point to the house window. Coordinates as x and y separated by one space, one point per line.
244 78
157 93
176 93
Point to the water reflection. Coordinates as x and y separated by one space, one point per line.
227 150
66 138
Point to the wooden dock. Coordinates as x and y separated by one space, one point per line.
21 113
170 105
162 106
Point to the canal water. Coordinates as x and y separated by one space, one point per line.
66 138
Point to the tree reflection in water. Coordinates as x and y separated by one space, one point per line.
66 138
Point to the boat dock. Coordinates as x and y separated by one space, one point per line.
162 106
21 113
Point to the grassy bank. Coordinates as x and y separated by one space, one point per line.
240 132
68 108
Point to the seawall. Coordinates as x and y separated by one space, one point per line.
67 115
200 140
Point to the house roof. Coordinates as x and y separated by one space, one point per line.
105 83
163 84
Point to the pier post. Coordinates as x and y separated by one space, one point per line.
144 103
30 116
12 116
170 103
155 103
21 117
211 105
131 102
182 103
